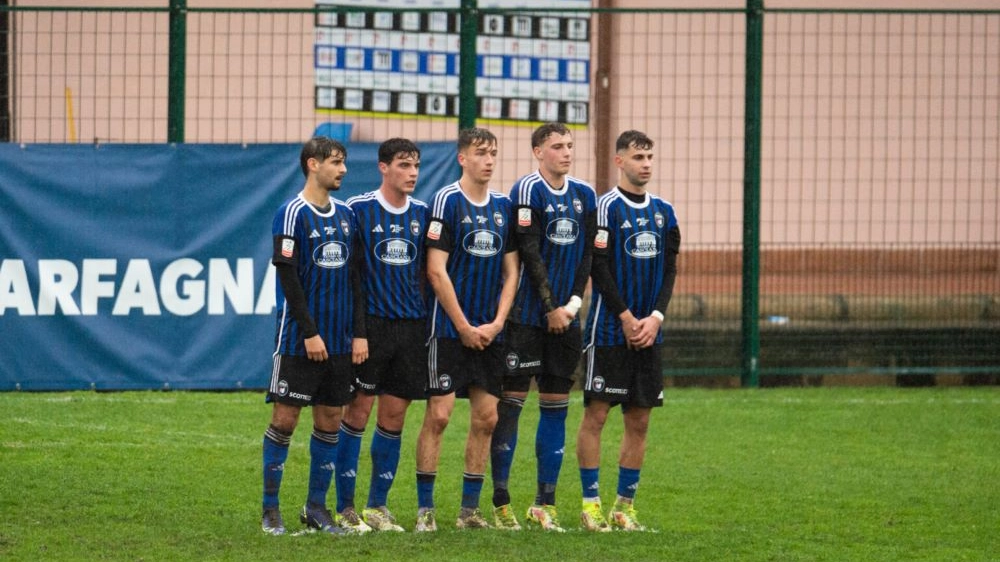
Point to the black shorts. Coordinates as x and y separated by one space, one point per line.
531 351
397 359
452 367
300 381
619 375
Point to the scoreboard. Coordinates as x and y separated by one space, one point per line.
529 66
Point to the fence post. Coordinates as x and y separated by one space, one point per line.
750 327
467 65
176 71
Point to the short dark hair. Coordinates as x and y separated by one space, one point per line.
543 131
396 146
319 148
633 138
475 136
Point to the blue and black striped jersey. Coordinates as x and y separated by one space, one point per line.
476 238
319 245
633 236
562 213
392 241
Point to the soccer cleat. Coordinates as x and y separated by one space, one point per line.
622 516
350 521
425 521
592 519
272 523
545 517
471 518
503 517
380 519
318 518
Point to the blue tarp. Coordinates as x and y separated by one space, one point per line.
148 266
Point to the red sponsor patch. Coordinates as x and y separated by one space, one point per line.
601 240
434 232
287 247
524 217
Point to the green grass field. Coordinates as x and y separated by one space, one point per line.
783 474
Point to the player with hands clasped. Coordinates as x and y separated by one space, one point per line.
633 272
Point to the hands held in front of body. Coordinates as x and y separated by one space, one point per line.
559 320
639 334
359 350
316 348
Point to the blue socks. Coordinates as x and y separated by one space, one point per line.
322 456
347 464
502 447
589 483
628 482
425 489
385 461
472 486
550 441
274 454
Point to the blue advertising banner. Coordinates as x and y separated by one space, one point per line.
148 266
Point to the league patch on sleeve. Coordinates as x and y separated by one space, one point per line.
287 247
601 239
434 231
524 216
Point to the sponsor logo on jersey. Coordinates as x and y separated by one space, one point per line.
524 217
331 255
314 234
434 232
395 251
482 243
601 240
563 231
643 245
287 247
626 224
378 228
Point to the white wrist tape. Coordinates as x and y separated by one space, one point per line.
657 314
573 306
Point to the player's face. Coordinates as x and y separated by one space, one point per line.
330 172
555 156
400 175
478 162
636 165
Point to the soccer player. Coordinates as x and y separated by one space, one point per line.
555 233
315 252
472 267
391 227
633 272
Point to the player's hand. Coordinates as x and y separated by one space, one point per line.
630 327
490 332
316 349
559 320
472 337
359 350
645 335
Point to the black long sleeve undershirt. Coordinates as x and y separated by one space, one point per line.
530 253
295 296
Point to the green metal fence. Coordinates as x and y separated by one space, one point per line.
836 172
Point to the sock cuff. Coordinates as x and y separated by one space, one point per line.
352 431
470 477
512 401
553 404
277 436
329 438
383 432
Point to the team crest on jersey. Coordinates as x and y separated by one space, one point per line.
330 255
498 218
658 219
643 245
577 205
524 216
444 382
482 243
597 384
345 228
415 227
562 231
287 247
434 232
396 251
601 240
512 361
